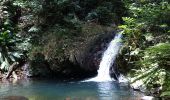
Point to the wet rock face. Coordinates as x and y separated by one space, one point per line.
14 98
81 59
89 58
85 59
37 67
114 72
61 70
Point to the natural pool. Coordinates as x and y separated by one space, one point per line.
52 90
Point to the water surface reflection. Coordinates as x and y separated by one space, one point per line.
52 90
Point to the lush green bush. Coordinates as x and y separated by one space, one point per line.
11 45
154 68
146 44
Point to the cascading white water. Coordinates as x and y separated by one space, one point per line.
108 60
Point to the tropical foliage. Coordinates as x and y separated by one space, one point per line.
53 23
11 44
147 43
54 28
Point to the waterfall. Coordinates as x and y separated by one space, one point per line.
108 59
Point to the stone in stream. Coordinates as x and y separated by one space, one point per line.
14 98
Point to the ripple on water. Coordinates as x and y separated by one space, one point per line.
47 90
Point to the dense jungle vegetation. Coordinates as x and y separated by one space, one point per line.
48 30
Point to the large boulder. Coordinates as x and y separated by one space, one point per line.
75 56
89 55
37 67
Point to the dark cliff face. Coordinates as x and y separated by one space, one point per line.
80 57
89 58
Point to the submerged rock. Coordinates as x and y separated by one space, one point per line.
14 98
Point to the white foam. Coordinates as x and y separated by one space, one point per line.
108 59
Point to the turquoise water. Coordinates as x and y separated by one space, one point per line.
51 90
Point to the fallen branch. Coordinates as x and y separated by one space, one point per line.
12 68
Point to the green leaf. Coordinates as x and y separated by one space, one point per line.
1 58
166 93
3 65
